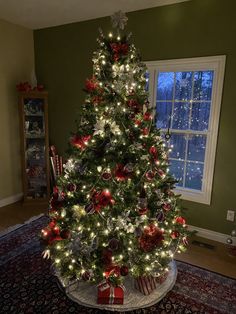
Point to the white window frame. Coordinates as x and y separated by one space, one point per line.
217 64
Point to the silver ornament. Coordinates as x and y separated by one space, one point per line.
119 20
233 233
229 241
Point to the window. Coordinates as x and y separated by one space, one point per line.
186 96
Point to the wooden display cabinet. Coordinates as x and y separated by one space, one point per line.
33 109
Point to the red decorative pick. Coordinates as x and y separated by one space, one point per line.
91 84
102 199
122 173
80 141
26 87
151 237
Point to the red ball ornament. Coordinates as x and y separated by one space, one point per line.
147 116
153 151
71 187
166 207
124 270
137 122
180 220
175 234
106 176
150 175
145 131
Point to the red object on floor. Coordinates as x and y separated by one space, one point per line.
109 294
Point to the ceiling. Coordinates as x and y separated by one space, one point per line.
35 14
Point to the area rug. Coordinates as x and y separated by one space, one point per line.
28 286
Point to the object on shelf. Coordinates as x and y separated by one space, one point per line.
109 294
56 163
26 87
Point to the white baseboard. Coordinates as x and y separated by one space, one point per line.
11 199
211 235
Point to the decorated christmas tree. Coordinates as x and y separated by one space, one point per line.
113 211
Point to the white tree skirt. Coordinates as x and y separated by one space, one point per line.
86 294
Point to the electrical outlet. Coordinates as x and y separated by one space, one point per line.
230 215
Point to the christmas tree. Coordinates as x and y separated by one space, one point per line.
113 211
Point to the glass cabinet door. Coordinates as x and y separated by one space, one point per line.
35 146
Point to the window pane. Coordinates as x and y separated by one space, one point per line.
177 170
200 116
183 85
194 174
179 146
203 85
181 116
165 85
163 114
196 147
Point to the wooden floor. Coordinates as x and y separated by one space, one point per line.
217 259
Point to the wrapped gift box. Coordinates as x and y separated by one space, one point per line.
146 284
109 294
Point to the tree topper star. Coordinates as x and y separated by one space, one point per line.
119 20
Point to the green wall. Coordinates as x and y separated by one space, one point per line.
189 29
16 65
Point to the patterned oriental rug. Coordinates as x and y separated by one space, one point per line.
27 285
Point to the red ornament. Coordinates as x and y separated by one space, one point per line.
151 237
91 84
145 131
180 220
114 244
106 176
122 173
134 105
71 187
175 234
124 270
147 116
150 175
80 141
167 207
51 233
137 122
153 151
161 173
26 87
